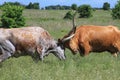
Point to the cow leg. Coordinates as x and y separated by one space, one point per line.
117 46
86 48
41 52
4 55
81 51
7 49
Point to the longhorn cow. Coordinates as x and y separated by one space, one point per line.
90 38
28 40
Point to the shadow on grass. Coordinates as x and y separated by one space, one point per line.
35 56
1 65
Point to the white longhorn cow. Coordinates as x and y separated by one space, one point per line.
28 40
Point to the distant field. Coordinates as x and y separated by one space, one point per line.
96 66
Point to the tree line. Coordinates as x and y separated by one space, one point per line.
57 7
106 6
36 5
29 6
12 12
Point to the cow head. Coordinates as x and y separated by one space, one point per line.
59 51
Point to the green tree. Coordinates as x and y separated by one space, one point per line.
12 3
85 11
116 11
35 5
106 6
32 6
74 7
29 6
12 16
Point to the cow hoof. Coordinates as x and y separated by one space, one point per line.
115 55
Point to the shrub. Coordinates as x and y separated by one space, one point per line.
69 15
106 6
116 11
12 16
85 11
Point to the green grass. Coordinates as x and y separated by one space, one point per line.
96 66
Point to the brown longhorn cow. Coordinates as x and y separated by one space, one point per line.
28 40
89 38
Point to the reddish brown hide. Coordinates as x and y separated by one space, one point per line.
90 38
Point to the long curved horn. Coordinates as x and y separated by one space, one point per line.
72 32
74 19
68 38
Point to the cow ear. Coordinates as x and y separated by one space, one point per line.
59 40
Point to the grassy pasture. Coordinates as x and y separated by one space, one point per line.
96 66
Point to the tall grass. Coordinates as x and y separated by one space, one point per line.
96 66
